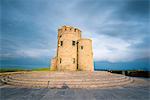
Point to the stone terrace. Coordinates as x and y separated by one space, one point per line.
100 79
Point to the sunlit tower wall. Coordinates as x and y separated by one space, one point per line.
85 55
54 64
67 48
54 60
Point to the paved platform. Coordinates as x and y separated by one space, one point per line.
134 92
77 79
138 89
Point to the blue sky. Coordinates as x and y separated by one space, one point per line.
118 28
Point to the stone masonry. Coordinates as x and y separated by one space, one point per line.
74 53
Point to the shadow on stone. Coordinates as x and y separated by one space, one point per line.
3 81
65 86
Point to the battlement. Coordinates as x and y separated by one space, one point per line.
69 28
85 39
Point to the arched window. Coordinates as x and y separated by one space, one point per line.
74 60
60 61
61 43
81 47
75 30
73 43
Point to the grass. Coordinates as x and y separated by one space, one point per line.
41 69
2 70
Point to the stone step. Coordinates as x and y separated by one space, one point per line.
68 79
73 79
72 85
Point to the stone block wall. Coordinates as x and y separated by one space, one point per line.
68 55
85 55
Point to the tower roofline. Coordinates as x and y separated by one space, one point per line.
84 39
67 26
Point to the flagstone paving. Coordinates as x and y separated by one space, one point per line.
139 90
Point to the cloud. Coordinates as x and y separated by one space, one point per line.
113 49
119 29
34 53
136 9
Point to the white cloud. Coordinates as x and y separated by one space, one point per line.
30 53
35 53
112 49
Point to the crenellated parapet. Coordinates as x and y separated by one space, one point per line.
69 30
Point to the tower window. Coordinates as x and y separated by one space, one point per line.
60 60
81 47
73 43
74 60
75 30
61 43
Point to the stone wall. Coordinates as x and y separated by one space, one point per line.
67 49
54 63
67 58
85 55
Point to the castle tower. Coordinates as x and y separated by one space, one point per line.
73 52
67 48
85 55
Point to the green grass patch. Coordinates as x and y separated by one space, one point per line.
41 69
2 70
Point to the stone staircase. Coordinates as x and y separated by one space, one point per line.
68 79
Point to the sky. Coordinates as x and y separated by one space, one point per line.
118 29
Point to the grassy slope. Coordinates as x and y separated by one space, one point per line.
19 69
11 69
41 69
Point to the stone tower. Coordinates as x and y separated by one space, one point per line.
85 55
73 52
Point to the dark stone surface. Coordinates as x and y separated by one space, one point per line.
139 90
120 93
